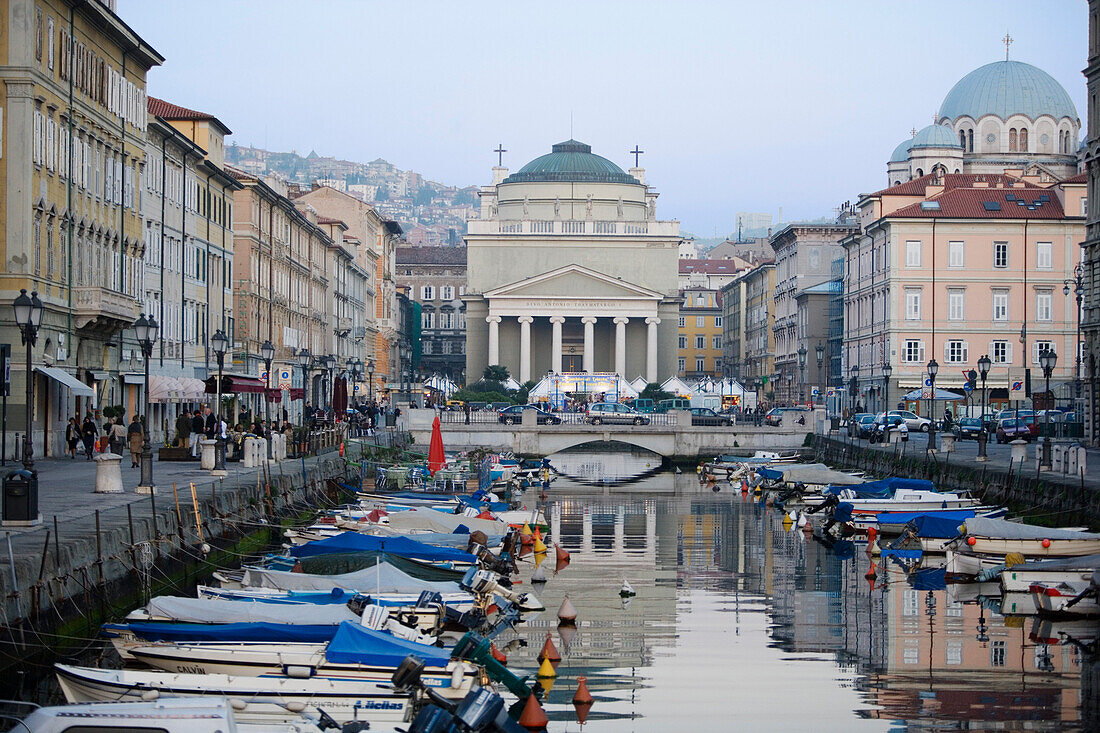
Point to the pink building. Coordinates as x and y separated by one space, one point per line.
955 267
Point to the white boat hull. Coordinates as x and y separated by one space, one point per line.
1020 581
258 699
1055 599
1033 548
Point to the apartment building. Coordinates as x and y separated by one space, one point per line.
435 277
699 347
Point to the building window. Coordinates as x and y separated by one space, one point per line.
681 364
913 351
448 292
1000 254
1038 348
718 321
700 342
427 320
699 365
1044 306
1022 146
700 300
682 321
1000 305
912 254
717 342
956 305
683 342
1044 255
447 319
954 652
970 141
427 346
912 305
1000 352
997 654
955 351
700 321
427 292
956 254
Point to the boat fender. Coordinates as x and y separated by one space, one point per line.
237 703
971 541
150 695
457 674
295 706
298 671
1046 543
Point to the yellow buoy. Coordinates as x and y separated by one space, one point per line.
787 522
546 670
540 546
526 529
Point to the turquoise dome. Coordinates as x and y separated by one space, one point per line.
1005 88
936 136
571 161
901 152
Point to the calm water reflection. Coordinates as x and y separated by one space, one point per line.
739 624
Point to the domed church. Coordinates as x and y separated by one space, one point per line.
569 269
1004 115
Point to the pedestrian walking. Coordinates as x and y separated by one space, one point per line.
136 437
198 430
88 434
183 429
72 436
466 410
211 424
116 436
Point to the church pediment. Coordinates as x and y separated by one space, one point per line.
570 282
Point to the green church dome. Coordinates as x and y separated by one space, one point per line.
571 161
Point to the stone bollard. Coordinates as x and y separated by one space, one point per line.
262 451
248 453
108 473
1019 450
947 442
284 446
206 459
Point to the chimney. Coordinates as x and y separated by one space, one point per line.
499 174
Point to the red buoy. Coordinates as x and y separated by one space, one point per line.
533 717
582 700
560 553
549 651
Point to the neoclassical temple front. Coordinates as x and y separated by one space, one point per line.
569 270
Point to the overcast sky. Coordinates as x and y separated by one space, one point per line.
740 106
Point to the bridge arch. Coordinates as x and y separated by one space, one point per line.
663 444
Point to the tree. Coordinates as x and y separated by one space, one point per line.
495 373
382 193
654 392
523 394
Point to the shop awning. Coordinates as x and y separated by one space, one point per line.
133 378
275 394
236 385
78 388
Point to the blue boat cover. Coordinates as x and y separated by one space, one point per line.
156 631
906 517
903 554
769 473
885 488
843 512
403 546
356 644
493 506
937 528
927 579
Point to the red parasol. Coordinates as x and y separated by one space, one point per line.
436 458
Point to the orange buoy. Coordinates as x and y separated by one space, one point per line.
533 717
493 608
566 613
744 486
971 541
537 533
582 700
561 554
498 654
872 535
549 651
341 450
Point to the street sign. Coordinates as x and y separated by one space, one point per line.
814 391
284 379
967 387
1017 386
927 382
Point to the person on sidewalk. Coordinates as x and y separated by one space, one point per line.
72 436
136 437
116 436
198 430
211 424
88 434
183 430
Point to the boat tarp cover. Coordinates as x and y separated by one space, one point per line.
493 506
403 546
959 515
338 563
217 611
416 520
1003 529
928 579
809 473
380 578
903 554
290 633
356 644
885 488
440 539
1085 562
937 528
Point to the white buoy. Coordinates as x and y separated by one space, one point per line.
801 520
793 516
627 590
678 470
567 614
539 576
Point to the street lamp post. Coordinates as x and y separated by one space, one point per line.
355 366
820 352
28 316
801 373
983 371
267 352
305 360
330 370
220 344
887 370
790 378
1078 283
933 370
146 330
853 387
1047 360
370 381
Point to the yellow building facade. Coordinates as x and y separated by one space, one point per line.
699 350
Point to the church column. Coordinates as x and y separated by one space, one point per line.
494 339
525 349
651 349
589 356
555 358
620 345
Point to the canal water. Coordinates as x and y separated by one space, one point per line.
741 624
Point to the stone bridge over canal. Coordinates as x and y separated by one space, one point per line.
674 438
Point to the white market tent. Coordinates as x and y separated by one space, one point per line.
639 383
441 384
676 386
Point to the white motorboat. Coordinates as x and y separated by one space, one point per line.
164 715
1020 578
267 700
1000 537
904 500
1078 599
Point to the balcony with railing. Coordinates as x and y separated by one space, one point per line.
103 310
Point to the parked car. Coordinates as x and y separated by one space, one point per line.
1005 414
912 420
883 423
859 425
644 404
1012 428
707 416
514 414
613 412
968 427
676 403
777 415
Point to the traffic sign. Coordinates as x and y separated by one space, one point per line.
1017 386
927 382
967 387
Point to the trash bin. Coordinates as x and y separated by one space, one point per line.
834 424
391 420
20 496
